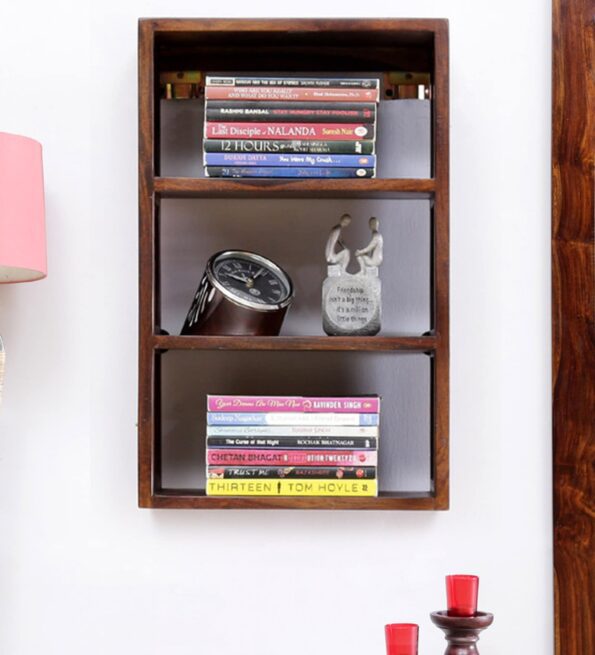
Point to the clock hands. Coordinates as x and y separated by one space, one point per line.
237 277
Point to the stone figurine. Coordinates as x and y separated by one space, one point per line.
351 302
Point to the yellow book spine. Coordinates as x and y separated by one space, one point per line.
273 487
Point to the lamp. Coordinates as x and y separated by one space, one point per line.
22 214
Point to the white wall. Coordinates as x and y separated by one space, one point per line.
83 570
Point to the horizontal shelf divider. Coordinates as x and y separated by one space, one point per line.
316 343
188 187
196 499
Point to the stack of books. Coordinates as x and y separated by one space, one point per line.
290 126
292 446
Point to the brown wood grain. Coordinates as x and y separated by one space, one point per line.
573 325
196 499
186 187
360 344
340 45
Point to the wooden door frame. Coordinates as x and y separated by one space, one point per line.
573 324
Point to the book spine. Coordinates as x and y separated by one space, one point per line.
292 472
324 131
324 82
284 93
251 457
352 443
281 171
298 146
290 431
290 418
303 112
292 487
350 404
248 159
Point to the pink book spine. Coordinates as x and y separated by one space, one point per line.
324 131
251 457
290 93
293 404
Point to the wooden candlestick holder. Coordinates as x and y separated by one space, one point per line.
462 632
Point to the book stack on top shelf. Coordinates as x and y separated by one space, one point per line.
292 446
290 126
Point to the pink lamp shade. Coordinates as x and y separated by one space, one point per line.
22 210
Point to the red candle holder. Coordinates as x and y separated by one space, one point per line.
461 594
401 638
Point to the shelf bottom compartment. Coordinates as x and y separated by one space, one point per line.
403 380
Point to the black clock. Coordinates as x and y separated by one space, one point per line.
240 293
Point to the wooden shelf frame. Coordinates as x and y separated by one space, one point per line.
304 44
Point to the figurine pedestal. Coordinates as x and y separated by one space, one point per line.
351 303
462 632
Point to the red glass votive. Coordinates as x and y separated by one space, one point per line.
461 594
401 638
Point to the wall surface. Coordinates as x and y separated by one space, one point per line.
81 568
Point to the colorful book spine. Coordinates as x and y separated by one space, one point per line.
319 131
291 487
280 171
271 457
326 82
292 472
303 112
294 146
352 443
290 93
348 404
249 159
291 418
290 431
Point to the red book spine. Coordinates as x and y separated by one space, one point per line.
304 131
290 93
253 457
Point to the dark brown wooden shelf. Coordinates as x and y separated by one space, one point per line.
196 499
188 187
358 344
289 45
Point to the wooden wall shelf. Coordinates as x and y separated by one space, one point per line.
350 46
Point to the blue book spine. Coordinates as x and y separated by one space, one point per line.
287 171
257 159
290 418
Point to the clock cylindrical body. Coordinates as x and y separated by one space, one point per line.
240 294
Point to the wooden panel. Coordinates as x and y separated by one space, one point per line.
440 248
186 187
147 319
419 344
189 499
573 322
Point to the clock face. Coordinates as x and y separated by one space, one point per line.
251 279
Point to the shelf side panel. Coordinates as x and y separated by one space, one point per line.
147 270
440 460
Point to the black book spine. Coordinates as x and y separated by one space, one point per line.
287 112
298 146
304 472
353 443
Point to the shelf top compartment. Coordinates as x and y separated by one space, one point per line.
290 45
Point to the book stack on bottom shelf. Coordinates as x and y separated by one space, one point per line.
290 126
292 446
